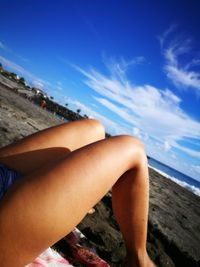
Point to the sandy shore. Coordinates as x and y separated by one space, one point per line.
174 218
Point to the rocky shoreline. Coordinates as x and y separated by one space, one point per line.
174 212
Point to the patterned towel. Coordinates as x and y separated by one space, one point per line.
49 258
79 250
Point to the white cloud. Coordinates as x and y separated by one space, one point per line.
22 58
173 156
155 112
191 152
166 34
167 146
111 126
193 171
13 65
196 168
119 67
59 86
37 82
7 49
122 112
174 50
59 83
136 131
4 47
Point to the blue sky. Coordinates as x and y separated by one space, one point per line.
134 65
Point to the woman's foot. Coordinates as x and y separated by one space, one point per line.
145 261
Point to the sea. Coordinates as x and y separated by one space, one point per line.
176 176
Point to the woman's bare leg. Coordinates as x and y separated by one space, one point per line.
36 150
47 205
130 198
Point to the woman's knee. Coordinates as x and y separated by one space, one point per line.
96 128
130 141
133 148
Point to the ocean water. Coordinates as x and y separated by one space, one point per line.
176 176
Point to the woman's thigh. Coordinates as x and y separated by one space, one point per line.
46 146
43 207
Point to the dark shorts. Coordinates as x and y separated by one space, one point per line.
7 178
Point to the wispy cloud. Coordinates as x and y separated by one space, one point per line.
37 82
196 168
189 151
150 111
175 50
59 86
91 113
4 47
118 67
22 58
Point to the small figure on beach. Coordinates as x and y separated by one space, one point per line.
43 104
51 179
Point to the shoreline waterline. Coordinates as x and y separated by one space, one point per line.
195 190
176 176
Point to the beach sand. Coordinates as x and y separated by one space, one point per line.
174 212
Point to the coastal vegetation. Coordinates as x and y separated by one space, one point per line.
38 96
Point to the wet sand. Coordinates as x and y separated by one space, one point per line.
174 214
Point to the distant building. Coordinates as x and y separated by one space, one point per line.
38 91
